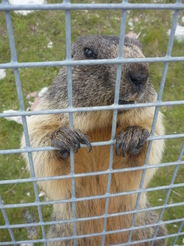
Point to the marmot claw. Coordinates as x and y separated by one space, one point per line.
131 140
65 139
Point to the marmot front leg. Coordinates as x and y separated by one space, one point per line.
131 140
64 139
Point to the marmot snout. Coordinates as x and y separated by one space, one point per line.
134 77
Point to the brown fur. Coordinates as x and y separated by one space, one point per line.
94 85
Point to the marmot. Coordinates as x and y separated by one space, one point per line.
94 85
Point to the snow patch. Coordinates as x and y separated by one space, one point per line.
23 2
42 92
28 193
17 119
179 34
50 44
41 194
2 73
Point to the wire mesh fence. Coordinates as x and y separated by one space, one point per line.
67 7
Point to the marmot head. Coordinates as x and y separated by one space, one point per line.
95 84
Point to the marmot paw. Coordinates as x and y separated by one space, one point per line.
131 140
65 139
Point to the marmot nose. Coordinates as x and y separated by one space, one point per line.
138 78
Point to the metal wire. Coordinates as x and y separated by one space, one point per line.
89 62
69 81
101 217
21 108
88 109
93 235
115 112
67 7
160 93
21 205
7 223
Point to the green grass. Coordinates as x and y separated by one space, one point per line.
32 34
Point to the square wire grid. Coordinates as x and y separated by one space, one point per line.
67 7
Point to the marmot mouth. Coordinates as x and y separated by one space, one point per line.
125 102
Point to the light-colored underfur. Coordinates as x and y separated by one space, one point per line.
46 164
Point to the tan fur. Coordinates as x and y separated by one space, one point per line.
97 126
89 162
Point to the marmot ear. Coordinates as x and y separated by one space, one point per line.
133 41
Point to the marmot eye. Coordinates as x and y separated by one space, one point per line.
89 54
